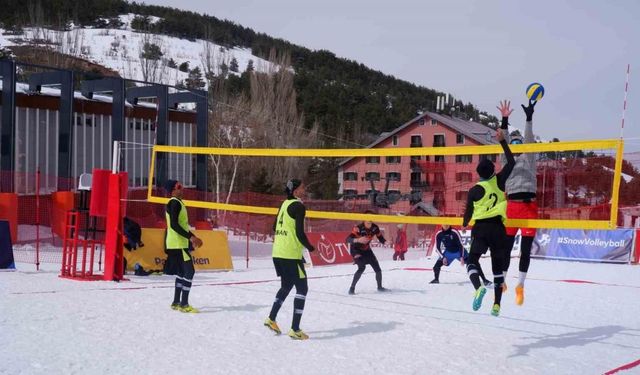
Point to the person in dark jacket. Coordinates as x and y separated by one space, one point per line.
133 233
449 247
359 241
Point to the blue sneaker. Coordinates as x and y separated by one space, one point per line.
477 299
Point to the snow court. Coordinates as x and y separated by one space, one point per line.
577 318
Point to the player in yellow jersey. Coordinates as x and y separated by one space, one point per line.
288 243
486 205
177 244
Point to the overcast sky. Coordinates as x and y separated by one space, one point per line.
480 51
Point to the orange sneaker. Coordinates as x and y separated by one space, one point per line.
520 295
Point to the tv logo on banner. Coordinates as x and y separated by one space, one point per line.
330 248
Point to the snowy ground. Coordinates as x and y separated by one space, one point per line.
50 325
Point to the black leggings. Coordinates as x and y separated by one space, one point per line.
183 262
525 252
292 273
362 261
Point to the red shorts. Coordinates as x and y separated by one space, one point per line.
522 210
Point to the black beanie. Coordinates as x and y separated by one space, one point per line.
485 169
292 185
169 185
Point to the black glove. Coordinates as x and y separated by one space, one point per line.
529 109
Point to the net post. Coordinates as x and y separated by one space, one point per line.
151 171
615 194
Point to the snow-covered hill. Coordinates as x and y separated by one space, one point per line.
120 49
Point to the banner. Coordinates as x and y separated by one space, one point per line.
465 236
591 245
213 255
331 248
6 250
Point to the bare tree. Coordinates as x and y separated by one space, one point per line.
231 127
274 106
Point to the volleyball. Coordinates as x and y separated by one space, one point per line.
535 91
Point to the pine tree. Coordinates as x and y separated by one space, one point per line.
172 64
184 67
195 81
233 65
250 67
151 51
224 70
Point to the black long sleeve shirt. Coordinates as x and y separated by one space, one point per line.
361 231
297 211
477 192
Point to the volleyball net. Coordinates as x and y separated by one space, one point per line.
578 183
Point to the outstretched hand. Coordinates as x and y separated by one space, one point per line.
528 110
504 108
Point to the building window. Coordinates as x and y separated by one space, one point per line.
351 176
464 158
394 140
438 140
416 141
350 193
369 192
372 176
372 160
434 122
416 157
421 122
393 159
459 139
438 179
438 158
393 176
438 200
463 177
461 195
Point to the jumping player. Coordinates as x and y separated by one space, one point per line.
359 241
288 242
521 199
486 204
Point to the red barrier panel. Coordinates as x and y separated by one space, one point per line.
62 201
99 189
330 248
636 258
9 212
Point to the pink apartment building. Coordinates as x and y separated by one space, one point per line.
436 185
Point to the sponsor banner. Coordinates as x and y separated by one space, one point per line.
213 255
592 245
331 248
466 242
